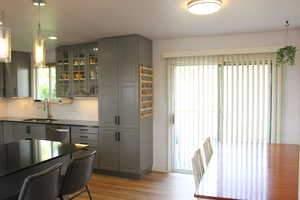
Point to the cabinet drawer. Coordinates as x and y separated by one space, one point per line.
92 144
92 137
84 129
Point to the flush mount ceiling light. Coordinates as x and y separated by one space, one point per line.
39 3
204 7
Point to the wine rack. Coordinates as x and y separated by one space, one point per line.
146 91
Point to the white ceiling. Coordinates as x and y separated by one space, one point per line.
86 20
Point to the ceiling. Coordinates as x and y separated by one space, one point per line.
78 21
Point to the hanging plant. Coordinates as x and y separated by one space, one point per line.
286 55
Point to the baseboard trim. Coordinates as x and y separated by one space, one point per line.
119 174
160 170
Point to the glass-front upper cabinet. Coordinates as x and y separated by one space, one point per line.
77 70
63 72
80 71
93 70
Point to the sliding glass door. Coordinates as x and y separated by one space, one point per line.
226 98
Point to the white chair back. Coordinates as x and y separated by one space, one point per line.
208 150
198 167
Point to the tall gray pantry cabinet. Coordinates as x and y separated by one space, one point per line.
126 140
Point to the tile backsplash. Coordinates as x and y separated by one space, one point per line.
3 107
80 109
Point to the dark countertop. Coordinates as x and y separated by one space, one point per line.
58 121
23 154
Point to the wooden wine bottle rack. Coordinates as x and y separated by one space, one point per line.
146 92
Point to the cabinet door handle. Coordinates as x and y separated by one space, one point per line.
83 136
116 136
116 120
119 122
119 136
84 129
28 129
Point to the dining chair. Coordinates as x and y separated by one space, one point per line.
198 167
42 185
208 150
77 176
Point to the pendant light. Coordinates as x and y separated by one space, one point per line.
5 42
39 44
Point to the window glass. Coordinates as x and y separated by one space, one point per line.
45 83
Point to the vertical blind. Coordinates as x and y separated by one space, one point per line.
230 98
194 105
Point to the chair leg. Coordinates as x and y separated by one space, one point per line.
61 198
88 191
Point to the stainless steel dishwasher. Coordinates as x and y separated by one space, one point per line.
60 133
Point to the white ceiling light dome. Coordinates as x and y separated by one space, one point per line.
204 7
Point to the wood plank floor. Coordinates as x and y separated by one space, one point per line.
155 186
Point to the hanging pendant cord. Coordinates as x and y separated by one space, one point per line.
39 21
2 17
287 25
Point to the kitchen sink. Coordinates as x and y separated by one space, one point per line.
44 120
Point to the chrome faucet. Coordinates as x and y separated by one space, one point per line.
48 109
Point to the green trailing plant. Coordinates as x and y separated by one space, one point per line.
286 55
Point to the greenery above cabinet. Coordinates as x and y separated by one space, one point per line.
77 71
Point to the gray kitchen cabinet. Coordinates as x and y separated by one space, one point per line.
128 87
17 75
14 131
77 70
1 133
108 150
37 131
86 135
108 83
125 138
129 151
63 72
2 85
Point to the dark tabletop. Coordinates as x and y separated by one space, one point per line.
23 154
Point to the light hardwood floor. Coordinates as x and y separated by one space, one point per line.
155 186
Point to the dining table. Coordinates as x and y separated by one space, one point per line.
23 158
251 171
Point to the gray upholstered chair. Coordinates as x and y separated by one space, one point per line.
43 185
77 176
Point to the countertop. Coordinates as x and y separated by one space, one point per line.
56 121
19 155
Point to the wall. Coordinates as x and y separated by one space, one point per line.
247 42
80 109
